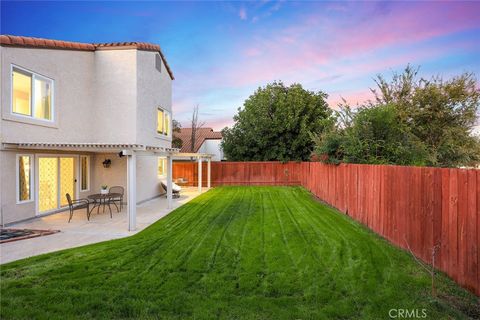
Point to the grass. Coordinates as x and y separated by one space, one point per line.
234 252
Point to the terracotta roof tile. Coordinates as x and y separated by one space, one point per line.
30 42
203 134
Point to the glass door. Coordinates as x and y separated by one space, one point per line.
67 179
47 184
56 177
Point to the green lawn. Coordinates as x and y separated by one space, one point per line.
234 252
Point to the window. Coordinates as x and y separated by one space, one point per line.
162 166
24 178
158 63
167 124
31 95
84 173
160 121
163 122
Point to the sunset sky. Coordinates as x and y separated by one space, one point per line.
220 52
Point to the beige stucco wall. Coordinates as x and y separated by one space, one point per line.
115 105
72 72
10 210
148 182
106 96
115 175
154 89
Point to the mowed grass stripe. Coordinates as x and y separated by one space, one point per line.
232 253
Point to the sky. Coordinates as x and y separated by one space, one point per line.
221 52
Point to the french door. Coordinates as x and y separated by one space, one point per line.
56 176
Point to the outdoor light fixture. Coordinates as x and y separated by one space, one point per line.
107 163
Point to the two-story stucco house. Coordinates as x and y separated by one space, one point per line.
76 116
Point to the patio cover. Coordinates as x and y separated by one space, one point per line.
131 151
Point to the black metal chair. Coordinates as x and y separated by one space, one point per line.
119 190
76 205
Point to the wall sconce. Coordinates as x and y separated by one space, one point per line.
107 163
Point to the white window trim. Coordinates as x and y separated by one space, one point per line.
164 167
163 134
88 173
17 176
32 95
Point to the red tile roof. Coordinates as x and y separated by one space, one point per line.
202 134
30 42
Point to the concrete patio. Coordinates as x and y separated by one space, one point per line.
81 232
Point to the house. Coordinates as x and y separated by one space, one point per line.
76 116
207 141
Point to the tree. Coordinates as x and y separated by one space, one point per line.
176 128
440 113
371 135
196 125
276 123
413 121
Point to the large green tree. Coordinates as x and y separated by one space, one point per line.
441 113
276 123
413 121
373 135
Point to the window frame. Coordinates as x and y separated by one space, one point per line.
17 176
164 167
34 75
164 133
87 175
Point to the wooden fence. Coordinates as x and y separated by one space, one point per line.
416 207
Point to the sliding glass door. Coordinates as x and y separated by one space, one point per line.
56 177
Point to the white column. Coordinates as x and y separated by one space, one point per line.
199 174
209 172
132 190
169 182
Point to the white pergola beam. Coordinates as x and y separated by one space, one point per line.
132 190
169 182
209 163
199 174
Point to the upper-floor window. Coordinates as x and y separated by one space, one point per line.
163 122
32 94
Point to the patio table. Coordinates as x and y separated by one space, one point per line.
100 199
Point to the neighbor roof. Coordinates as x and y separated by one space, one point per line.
202 134
30 42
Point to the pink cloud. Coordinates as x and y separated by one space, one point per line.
219 123
242 13
300 48
352 98
319 46
252 52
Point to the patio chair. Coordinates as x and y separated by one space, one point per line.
76 205
175 188
120 190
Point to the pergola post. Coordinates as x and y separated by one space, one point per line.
199 174
132 190
169 182
209 162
